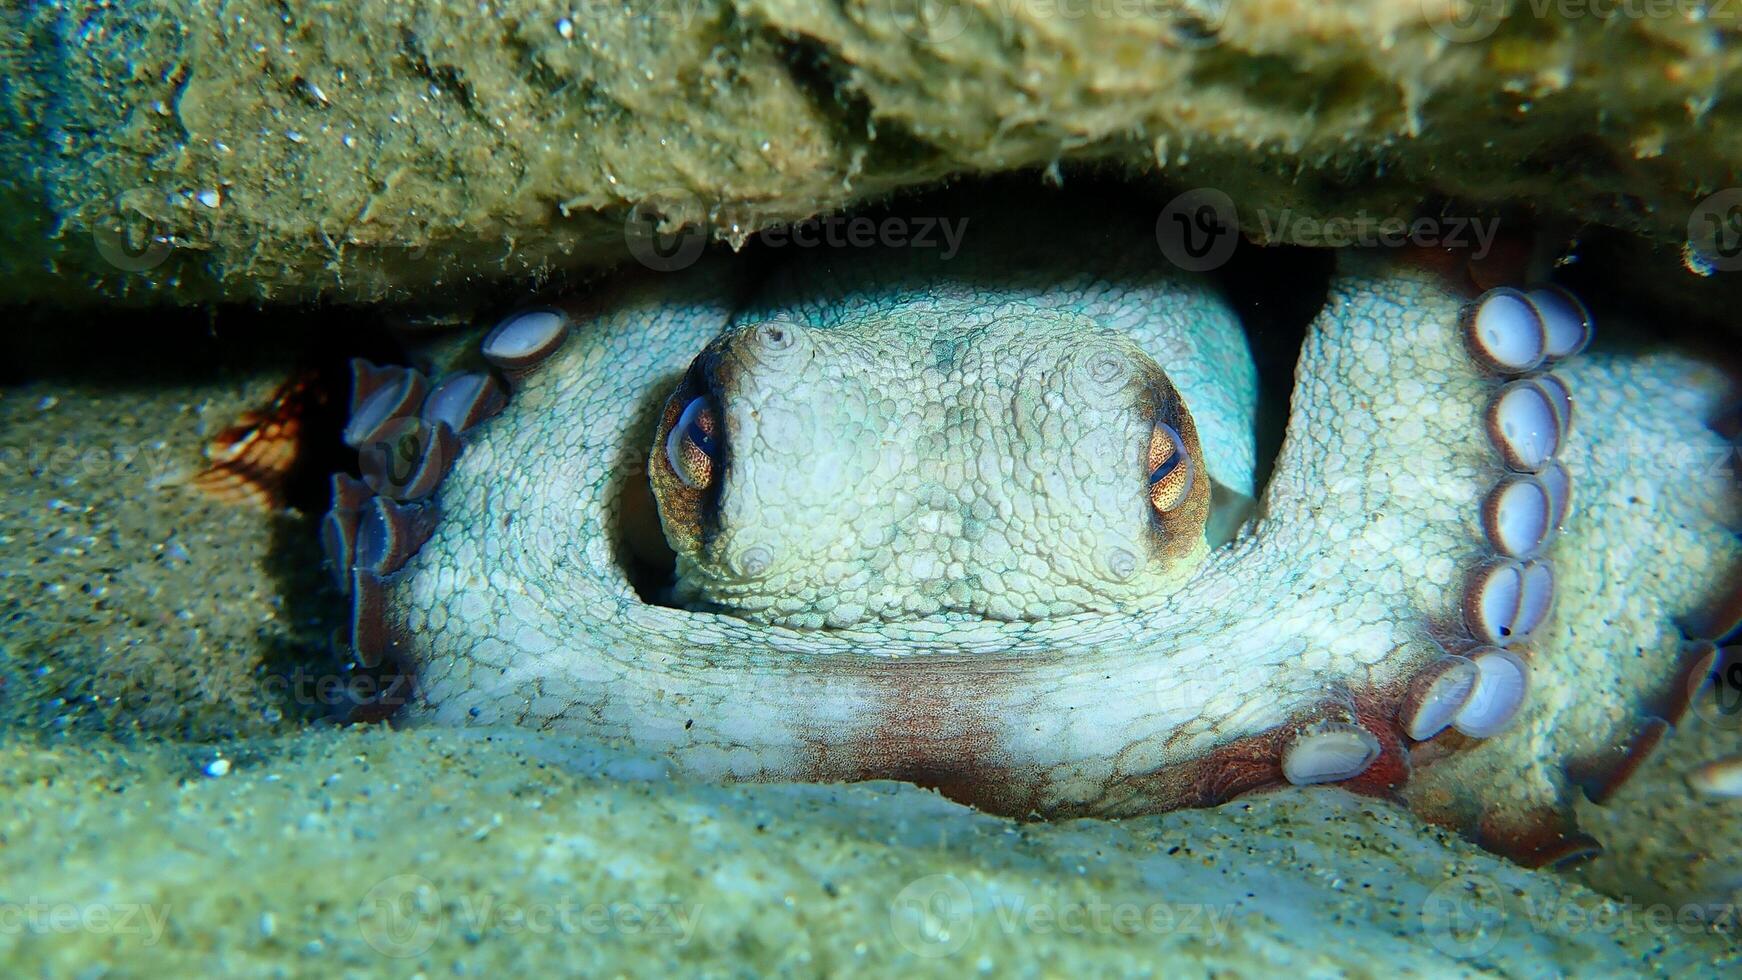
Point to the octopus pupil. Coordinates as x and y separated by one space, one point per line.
1166 468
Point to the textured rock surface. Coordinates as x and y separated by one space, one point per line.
488 854
380 150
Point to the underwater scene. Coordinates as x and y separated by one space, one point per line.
1045 488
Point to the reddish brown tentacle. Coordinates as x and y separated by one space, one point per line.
1601 775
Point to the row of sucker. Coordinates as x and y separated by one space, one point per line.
408 431
1516 337
1712 653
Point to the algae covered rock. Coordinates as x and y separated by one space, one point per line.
178 151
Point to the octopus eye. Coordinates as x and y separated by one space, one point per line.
1170 469
691 449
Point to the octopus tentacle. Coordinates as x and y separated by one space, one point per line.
523 341
1611 672
1400 619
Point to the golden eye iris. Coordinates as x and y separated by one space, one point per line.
691 447
1170 469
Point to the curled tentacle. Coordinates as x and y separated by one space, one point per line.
1401 620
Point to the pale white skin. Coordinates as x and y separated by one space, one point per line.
519 611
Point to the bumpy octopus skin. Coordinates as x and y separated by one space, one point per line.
1364 628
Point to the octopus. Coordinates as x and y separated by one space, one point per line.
999 526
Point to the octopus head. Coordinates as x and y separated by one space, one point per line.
1027 465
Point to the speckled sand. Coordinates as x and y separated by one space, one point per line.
127 600
432 852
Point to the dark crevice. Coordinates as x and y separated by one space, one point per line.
1276 291
640 544
446 78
